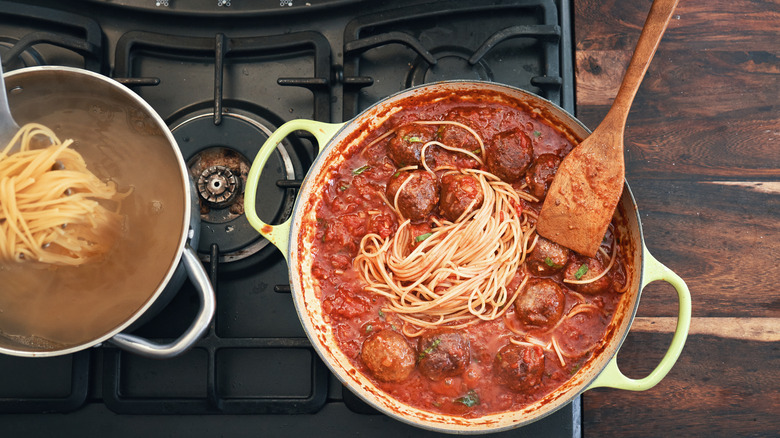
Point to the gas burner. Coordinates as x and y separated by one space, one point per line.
454 63
218 160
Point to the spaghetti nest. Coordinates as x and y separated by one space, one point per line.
51 206
458 275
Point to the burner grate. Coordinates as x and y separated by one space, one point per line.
530 55
51 37
134 385
62 384
219 375
223 48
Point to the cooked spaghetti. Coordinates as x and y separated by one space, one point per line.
460 272
53 209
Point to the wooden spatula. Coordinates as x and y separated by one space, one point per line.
587 187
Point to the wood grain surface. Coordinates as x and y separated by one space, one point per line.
703 162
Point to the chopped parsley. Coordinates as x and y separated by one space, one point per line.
470 399
412 139
580 272
360 170
537 134
369 328
548 261
422 237
381 314
430 349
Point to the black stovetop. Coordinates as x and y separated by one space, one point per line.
224 74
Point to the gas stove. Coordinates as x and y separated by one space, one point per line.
224 75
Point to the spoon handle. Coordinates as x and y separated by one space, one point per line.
655 25
8 126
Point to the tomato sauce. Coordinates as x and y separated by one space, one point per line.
353 205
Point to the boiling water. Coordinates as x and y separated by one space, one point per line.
73 305
46 307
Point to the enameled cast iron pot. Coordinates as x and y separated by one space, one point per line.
123 139
294 238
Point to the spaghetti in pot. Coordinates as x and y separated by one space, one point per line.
53 209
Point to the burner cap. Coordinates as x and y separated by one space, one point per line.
218 187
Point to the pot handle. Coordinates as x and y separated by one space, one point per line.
144 347
611 377
279 234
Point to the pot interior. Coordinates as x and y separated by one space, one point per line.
46 309
308 303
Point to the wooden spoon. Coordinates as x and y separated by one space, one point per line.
587 187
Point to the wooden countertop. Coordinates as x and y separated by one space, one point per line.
703 161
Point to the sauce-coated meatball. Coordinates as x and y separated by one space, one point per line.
389 357
541 303
458 192
541 174
509 154
547 257
419 196
519 367
406 145
458 137
442 354
594 268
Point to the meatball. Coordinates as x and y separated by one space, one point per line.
389 357
541 303
458 192
442 354
457 137
541 174
587 268
406 145
547 257
519 367
509 154
419 196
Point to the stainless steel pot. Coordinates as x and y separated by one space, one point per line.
52 311
294 238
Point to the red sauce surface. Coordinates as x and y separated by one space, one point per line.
351 208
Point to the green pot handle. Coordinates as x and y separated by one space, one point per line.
611 377
279 234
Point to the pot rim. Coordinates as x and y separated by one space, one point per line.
187 205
